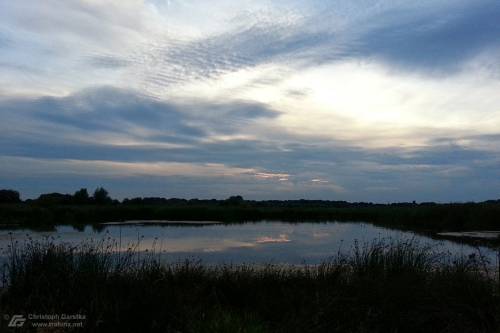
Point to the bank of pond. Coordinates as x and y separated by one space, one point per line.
431 217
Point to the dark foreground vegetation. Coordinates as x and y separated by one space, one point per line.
83 209
381 287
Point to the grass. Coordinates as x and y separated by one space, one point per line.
377 287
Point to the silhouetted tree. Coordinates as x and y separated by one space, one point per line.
9 196
54 199
101 196
81 196
235 200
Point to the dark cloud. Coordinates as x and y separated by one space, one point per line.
62 127
105 109
116 111
437 40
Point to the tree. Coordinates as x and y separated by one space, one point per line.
81 196
235 200
9 196
101 196
54 199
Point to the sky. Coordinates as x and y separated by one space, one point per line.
365 100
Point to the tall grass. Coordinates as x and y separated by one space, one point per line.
377 287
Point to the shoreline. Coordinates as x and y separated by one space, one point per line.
161 222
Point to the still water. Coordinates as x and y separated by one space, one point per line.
260 242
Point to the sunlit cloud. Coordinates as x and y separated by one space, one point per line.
267 175
122 169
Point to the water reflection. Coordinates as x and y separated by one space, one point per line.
260 242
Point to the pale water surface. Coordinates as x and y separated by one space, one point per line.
260 242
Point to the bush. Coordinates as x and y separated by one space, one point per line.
9 196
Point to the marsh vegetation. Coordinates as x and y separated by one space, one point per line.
376 287
83 209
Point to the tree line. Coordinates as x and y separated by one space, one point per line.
101 196
81 208
82 196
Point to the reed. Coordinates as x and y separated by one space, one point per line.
384 286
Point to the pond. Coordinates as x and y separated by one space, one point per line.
259 242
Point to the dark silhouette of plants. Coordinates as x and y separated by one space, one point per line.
101 196
81 196
9 196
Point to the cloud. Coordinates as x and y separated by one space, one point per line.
123 117
370 100
108 61
438 39
84 43
20 165
4 40
116 137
